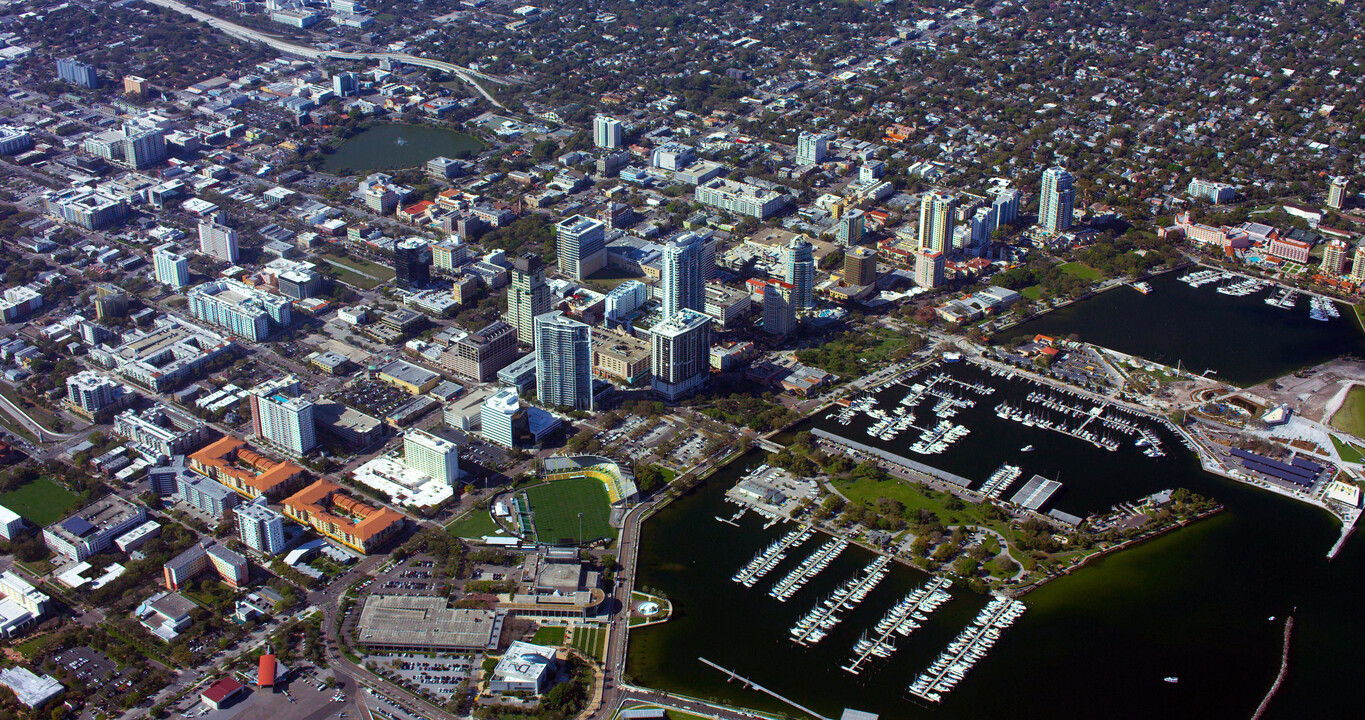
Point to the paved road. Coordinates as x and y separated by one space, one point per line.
43 433
245 33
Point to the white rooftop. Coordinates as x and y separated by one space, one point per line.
524 662
403 485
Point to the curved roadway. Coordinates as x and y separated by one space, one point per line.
245 33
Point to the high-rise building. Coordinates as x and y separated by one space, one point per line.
172 269
680 280
607 132
435 457
1336 193
563 361
871 171
77 73
811 147
937 215
527 297
345 84
798 269
282 416
143 145
259 527
502 418
1056 201
480 355
110 301
243 310
1334 257
860 266
680 353
1358 265
929 269
851 227
1214 192
779 308
91 392
411 263
1005 207
218 241
581 246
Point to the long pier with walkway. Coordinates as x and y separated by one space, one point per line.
755 686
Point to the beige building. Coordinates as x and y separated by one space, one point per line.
619 357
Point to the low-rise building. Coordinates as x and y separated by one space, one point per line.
330 510
398 623
251 474
201 557
92 529
524 668
160 431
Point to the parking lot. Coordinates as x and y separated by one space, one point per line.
87 666
439 675
372 397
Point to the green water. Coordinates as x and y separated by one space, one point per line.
1241 339
1194 604
397 146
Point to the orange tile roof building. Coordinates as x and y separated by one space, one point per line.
328 509
232 463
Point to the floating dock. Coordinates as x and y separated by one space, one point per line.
814 625
809 568
764 562
905 618
967 649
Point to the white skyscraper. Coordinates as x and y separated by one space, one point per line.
259 527
219 241
563 361
779 309
581 246
937 216
1336 193
1005 206
435 457
282 416
172 269
607 132
680 353
811 147
798 268
502 417
851 227
681 281
1056 201
929 269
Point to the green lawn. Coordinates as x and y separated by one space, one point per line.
557 505
591 641
1351 417
1032 292
549 635
353 279
364 266
1082 271
913 499
41 502
1348 452
475 524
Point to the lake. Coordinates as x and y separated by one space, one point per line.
1242 339
398 146
1195 603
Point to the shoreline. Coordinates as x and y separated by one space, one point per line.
1130 542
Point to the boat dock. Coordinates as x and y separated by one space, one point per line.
746 682
999 480
967 649
809 568
764 562
904 618
814 625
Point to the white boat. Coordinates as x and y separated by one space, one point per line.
1026 448
1173 680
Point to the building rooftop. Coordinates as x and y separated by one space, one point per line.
424 621
403 485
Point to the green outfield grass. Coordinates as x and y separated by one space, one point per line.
556 506
1351 417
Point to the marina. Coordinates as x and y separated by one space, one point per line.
967 649
904 618
809 568
816 624
764 562
1000 480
